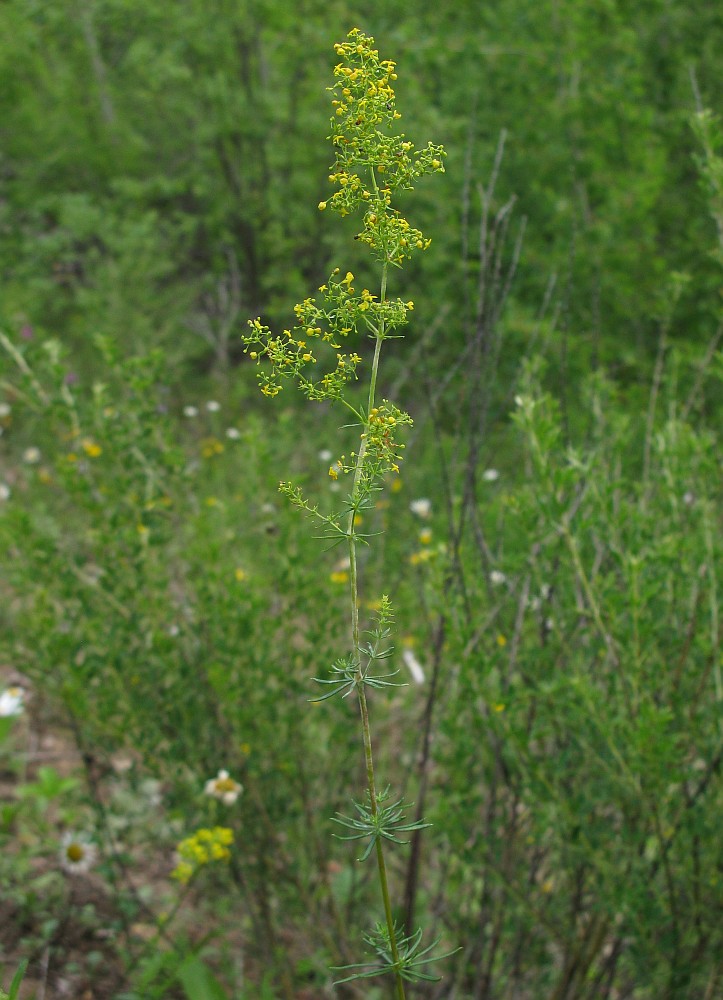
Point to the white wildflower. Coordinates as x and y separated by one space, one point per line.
213 406
190 411
233 433
12 702
497 578
491 475
77 853
31 456
325 455
223 788
421 507
413 666
4 492
4 410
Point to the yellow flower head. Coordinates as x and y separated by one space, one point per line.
205 846
91 449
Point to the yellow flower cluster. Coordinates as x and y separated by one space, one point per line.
336 316
211 447
383 449
371 162
91 448
201 849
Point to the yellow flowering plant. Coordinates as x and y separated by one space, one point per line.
371 163
202 848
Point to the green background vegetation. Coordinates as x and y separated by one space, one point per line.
160 170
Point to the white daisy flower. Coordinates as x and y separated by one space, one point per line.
190 411
4 492
77 853
421 507
213 406
325 455
31 456
497 578
223 788
12 702
233 433
491 475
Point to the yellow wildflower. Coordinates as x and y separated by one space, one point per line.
91 449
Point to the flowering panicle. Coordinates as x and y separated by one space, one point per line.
370 162
324 324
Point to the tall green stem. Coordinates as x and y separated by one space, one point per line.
361 693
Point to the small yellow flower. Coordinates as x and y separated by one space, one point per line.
396 485
339 576
91 448
425 536
499 707
322 206
240 574
183 872
210 447
501 641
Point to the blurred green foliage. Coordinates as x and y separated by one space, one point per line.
160 168
161 149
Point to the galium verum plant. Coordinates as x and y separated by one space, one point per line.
371 163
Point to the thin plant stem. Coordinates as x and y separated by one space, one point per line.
363 707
